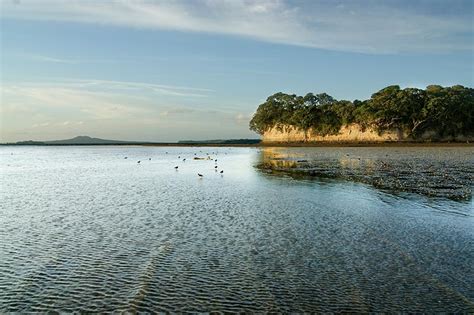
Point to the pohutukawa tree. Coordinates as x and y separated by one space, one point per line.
444 111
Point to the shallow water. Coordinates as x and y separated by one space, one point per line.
83 228
432 171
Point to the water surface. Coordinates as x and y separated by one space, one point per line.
83 228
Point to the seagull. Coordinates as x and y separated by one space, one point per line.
200 175
176 167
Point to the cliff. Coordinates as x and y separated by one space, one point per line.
349 133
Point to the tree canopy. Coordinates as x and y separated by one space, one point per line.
444 111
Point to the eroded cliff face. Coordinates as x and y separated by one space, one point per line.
348 133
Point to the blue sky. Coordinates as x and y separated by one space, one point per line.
171 70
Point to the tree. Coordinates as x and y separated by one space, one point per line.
446 111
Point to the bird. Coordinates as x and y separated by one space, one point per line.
215 166
179 157
125 158
200 175
138 162
149 159
176 167
184 160
222 172
215 160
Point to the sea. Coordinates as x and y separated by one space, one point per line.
136 229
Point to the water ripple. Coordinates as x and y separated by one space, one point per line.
84 230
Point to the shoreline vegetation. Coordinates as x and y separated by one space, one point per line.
435 114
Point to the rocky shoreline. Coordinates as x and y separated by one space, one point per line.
426 176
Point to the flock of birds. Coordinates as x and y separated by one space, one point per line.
195 158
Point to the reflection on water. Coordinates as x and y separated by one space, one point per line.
433 171
83 229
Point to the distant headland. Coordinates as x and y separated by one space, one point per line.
86 140
435 114
79 140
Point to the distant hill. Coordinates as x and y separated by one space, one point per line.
228 141
86 140
79 140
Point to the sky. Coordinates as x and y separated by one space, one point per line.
198 69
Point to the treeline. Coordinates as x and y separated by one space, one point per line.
442 111
221 141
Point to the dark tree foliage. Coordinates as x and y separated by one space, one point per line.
444 111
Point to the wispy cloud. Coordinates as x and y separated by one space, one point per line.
125 87
108 109
73 102
54 59
58 124
40 111
50 59
159 88
242 119
361 26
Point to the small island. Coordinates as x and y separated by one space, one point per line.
434 114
